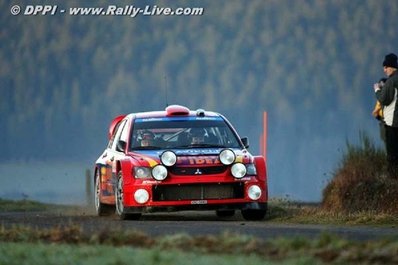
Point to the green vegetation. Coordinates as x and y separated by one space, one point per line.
33 254
23 205
110 247
29 206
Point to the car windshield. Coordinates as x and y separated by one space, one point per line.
182 132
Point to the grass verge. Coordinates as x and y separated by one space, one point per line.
281 211
33 206
22 205
28 253
69 245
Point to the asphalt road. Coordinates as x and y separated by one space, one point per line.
193 223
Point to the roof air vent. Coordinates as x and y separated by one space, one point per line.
176 110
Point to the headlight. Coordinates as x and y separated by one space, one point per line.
142 172
168 158
251 169
254 192
141 196
238 170
227 157
159 172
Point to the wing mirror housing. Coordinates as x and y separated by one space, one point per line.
121 146
245 142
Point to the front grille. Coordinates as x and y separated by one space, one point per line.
197 170
198 191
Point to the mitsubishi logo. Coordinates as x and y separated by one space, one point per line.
198 172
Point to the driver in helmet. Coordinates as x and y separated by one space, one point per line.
197 135
147 138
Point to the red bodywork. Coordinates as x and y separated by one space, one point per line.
196 181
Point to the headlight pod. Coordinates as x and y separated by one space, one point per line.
238 170
254 192
227 157
159 172
142 172
168 158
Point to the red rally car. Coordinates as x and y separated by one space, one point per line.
178 159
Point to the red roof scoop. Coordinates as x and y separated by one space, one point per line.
176 110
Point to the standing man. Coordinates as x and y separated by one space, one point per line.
387 96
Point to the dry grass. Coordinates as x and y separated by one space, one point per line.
280 211
361 183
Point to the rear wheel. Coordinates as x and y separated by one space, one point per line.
100 208
120 209
253 215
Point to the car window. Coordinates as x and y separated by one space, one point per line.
118 130
182 132
113 136
124 136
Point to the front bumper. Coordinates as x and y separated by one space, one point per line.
198 207
195 196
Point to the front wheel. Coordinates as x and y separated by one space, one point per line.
253 215
119 194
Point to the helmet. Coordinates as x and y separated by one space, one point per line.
147 138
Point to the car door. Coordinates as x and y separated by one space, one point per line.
117 149
108 159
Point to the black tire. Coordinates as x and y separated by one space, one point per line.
253 215
225 213
120 210
100 208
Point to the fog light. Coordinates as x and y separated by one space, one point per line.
238 170
159 172
227 157
168 158
254 192
141 196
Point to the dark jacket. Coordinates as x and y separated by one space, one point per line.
388 98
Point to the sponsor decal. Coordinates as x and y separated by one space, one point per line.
198 160
150 161
239 159
103 170
197 151
150 182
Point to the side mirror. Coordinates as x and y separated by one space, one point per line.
121 146
245 142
